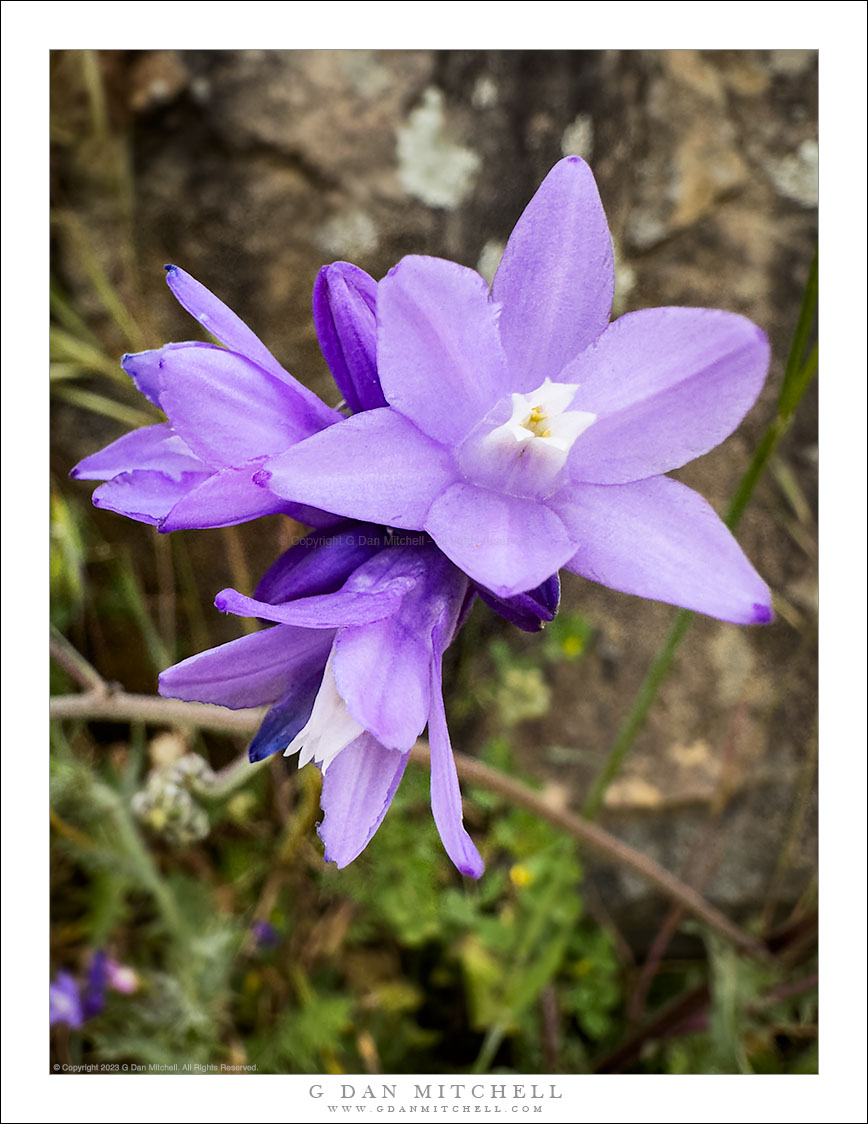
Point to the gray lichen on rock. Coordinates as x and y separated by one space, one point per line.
431 166
797 175
578 137
348 234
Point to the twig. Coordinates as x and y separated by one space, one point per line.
681 1010
120 707
75 665
687 1011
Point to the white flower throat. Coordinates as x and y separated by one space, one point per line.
526 453
330 728
543 416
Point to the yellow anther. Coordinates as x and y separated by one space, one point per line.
535 421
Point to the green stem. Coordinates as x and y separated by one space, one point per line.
792 387
758 462
490 1045
133 847
638 711
235 775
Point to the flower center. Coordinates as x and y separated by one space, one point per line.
537 422
524 453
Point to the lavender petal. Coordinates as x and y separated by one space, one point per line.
357 790
658 539
556 278
441 361
667 385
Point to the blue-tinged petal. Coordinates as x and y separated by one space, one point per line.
357 789
144 368
383 669
231 330
151 447
345 317
445 791
556 277
439 353
289 714
251 671
227 409
375 466
658 539
145 495
223 499
93 996
667 385
528 611
508 544
320 563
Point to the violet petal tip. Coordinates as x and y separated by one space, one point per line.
472 868
762 613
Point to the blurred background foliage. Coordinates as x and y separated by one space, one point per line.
251 169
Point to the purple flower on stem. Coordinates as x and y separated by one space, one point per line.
524 432
338 605
352 671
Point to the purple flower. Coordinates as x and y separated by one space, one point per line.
352 673
93 994
524 432
228 409
121 977
265 935
72 1003
225 409
64 1002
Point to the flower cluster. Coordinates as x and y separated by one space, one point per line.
71 1003
493 437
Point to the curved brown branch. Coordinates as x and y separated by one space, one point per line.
118 706
601 841
121 707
